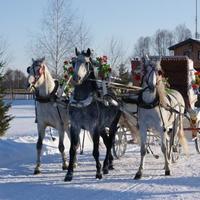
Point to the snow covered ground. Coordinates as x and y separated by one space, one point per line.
17 162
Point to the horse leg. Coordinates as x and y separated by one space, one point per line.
143 151
108 162
164 150
96 155
41 134
61 148
108 157
108 141
74 135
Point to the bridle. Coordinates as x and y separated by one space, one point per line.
36 74
149 87
146 79
87 65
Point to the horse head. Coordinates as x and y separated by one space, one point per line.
82 66
36 74
152 72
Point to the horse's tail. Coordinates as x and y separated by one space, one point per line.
131 123
181 135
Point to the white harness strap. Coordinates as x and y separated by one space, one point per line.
82 103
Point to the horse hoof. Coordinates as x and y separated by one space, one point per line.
105 171
68 177
37 171
64 167
98 176
167 173
111 167
138 176
75 165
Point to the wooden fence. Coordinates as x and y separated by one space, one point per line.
18 94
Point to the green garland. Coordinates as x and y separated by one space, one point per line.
104 69
68 73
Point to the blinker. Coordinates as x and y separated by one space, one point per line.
160 73
28 70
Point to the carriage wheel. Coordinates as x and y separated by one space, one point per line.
197 141
120 144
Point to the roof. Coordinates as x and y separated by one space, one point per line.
190 40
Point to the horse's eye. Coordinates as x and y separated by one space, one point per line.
160 73
28 70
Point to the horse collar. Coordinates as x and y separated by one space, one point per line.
81 103
142 104
50 98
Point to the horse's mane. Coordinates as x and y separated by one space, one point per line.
49 79
160 86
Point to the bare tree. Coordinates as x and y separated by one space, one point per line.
82 37
142 47
161 41
182 33
116 54
59 35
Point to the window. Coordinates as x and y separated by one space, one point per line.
186 53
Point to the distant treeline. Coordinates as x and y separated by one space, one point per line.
14 79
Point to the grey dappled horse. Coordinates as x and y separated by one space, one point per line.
49 112
159 112
88 113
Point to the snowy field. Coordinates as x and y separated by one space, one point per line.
17 162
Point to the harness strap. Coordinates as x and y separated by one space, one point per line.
62 123
81 103
145 105
164 128
35 109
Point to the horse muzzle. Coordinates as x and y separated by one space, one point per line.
77 80
31 87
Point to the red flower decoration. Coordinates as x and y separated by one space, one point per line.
195 86
65 76
65 62
70 69
134 64
105 58
197 73
137 77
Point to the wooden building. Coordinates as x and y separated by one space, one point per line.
190 48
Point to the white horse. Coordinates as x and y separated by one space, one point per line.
160 112
48 111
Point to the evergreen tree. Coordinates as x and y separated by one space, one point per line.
4 117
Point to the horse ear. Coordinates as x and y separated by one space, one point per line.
33 60
43 59
77 52
88 53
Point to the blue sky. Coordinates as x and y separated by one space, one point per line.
125 20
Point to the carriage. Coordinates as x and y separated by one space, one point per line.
180 75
